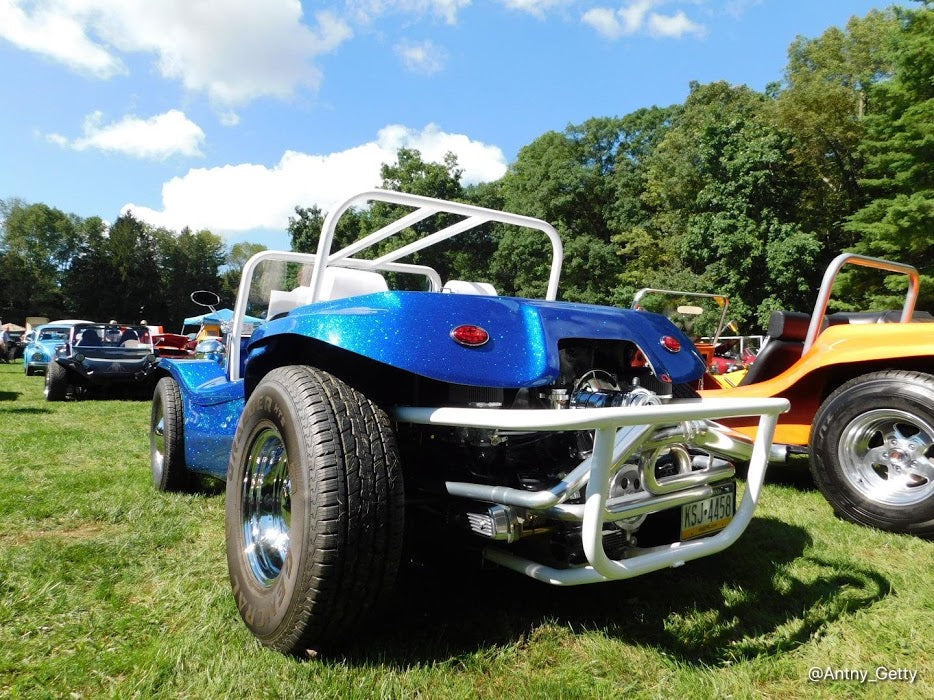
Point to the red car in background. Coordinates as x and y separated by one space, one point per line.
170 344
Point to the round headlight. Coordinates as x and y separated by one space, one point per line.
37 357
210 349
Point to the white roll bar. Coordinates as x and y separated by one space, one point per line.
425 207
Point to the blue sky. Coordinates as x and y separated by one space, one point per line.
226 114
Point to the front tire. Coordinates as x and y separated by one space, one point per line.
56 382
872 451
167 438
314 510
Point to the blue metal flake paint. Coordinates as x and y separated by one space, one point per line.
411 331
212 406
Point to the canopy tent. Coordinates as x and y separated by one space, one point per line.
219 316
12 327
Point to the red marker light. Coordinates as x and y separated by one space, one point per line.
470 336
670 344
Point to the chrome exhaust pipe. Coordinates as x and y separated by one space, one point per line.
724 442
714 438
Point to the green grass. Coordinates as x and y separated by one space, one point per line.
110 589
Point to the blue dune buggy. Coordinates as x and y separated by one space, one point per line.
560 440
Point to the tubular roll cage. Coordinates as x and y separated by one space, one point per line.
424 208
722 301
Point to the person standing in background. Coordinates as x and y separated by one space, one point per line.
6 351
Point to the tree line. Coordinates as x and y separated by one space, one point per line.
735 191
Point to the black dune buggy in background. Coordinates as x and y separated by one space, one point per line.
98 356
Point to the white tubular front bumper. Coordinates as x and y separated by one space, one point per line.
618 433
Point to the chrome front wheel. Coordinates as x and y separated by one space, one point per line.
267 506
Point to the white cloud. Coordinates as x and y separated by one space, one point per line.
737 8
633 15
370 10
247 196
605 21
233 50
636 18
229 118
57 139
538 8
52 30
423 57
676 25
156 138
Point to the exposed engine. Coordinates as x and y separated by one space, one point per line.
593 375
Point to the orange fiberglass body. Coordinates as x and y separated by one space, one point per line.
840 353
861 390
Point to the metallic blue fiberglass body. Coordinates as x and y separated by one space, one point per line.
212 407
411 331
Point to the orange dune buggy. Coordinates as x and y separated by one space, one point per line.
861 387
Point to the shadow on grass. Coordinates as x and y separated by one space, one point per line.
109 394
795 473
208 486
761 596
24 410
10 395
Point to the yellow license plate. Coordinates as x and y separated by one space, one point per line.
711 514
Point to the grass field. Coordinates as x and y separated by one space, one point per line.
110 589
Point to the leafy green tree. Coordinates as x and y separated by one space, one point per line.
828 81
899 150
82 284
15 287
133 257
187 262
237 257
561 178
45 240
305 228
725 196
587 182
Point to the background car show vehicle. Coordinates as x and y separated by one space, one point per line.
861 388
100 355
46 339
169 344
549 437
